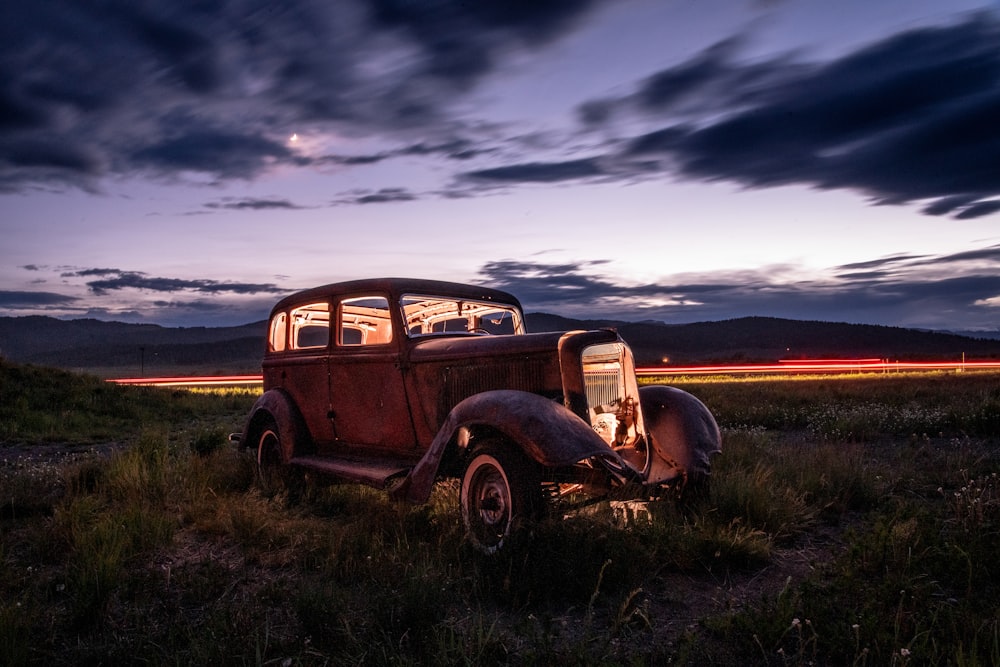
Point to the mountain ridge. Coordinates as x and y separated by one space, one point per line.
84 344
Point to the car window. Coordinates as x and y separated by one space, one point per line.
365 321
278 332
310 326
425 315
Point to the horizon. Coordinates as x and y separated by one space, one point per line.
986 334
612 159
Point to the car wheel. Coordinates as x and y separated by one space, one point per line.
273 474
500 487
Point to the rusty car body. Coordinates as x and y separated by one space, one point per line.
397 383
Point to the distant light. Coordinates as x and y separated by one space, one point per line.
293 138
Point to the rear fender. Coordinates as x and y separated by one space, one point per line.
682 431
277 405
545 430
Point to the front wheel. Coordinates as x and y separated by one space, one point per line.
500 487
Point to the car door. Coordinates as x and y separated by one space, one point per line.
368 403
302 368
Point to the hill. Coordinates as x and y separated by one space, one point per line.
88 344
118 348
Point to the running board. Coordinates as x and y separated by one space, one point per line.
372 473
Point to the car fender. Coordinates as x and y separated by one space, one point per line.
278 405
545 430
682 431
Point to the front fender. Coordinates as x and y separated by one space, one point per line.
277 405
546 431
683 433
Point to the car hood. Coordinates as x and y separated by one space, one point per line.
464 346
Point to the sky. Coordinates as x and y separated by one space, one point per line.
190 163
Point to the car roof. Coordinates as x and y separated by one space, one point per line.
396 287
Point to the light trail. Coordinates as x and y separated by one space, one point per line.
193 381
783 367
800 366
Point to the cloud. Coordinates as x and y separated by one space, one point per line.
382 196
223 153
85 273
992 302
118 279
910 290
122 295
19 300
978 209
909 118
250 204
539 172
94 90
175 90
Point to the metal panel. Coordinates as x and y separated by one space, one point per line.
464 381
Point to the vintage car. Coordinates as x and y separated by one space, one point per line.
397 383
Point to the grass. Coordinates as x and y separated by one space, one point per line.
836 534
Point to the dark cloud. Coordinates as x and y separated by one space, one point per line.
122 280
18 300
89 90
877 263
86 273
461 41
214 151
539 172
116 294
253 204
383 196
915 291
451 149
910 118
979 209
94 90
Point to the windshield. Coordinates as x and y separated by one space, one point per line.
425 315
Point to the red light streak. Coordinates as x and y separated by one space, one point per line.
798 366
193 381
783 367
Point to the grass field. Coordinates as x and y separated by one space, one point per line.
853 521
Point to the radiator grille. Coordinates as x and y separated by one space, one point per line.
465 381
603 386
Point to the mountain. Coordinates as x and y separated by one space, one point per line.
121 349
93 344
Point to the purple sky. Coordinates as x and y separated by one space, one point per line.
188 163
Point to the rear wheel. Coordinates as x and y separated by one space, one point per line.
500 488
273 474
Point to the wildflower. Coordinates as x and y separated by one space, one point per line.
904 652
796 623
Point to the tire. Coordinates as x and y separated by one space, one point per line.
273 474
501 488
